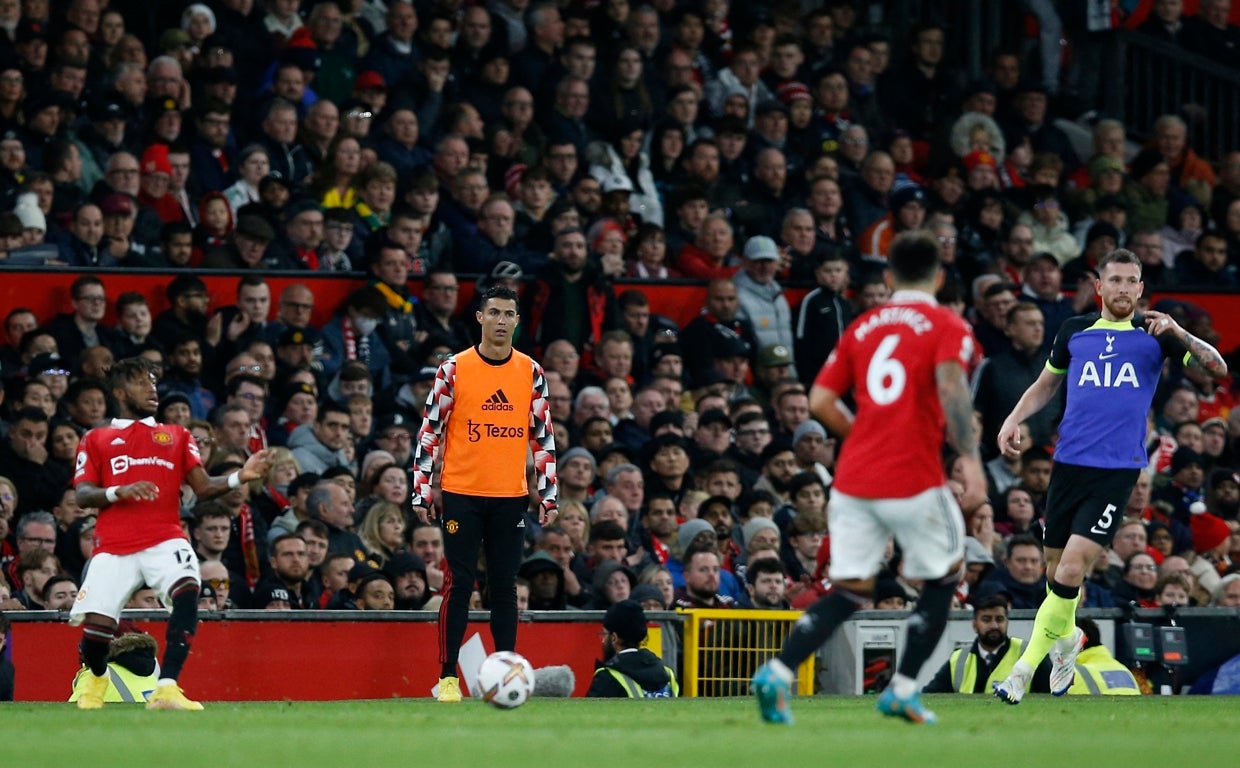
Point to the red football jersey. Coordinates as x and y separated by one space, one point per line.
126 452
887 358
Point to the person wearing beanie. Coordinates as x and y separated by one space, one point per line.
648 597
1211 534
809 445
613 582
689 531
755 526
1111 362
34 223
1187 485
627 670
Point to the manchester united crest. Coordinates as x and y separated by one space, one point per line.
161 437
452 526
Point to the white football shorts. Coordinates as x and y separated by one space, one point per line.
112 579
929 528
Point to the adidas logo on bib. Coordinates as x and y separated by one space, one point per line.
497 402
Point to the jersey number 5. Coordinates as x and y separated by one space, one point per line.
885 378
1105 521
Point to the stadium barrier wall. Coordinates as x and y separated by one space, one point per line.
46 292
339 655
289 655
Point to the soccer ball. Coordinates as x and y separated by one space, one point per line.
505 680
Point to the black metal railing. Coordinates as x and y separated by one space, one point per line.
1167 79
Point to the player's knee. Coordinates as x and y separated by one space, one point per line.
1070 574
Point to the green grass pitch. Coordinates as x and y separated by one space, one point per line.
720 733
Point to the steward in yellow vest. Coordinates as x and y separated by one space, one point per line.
629 670
1097 671
132 670
989 659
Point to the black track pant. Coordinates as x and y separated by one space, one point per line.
469 524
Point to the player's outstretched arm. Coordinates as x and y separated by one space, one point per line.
1202 355
99 498
207 487
955 397
1035 399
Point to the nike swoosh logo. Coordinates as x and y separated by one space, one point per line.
1107 357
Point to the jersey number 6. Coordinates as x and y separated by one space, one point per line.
885 378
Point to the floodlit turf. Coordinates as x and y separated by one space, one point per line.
727 733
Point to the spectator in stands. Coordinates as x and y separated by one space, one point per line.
1186 225
570 288
408 575
1166 22
1042 287
212 150
701 589
710 255
1021 577
1032 119
1207 265
353 335
494 240
323 446
1049 225
86 247
185 368
1210 34
777 463
1228 188
908 212
918 93
1140 576
996 382
329 504
1101 239
211 531
766 584
760 297
1148 190
721 310
1189 172
375 593
33 571
279 138
868 199
82 328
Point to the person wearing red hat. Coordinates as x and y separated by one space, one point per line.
155 173
1211 536
981 170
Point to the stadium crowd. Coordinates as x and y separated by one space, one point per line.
562 150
